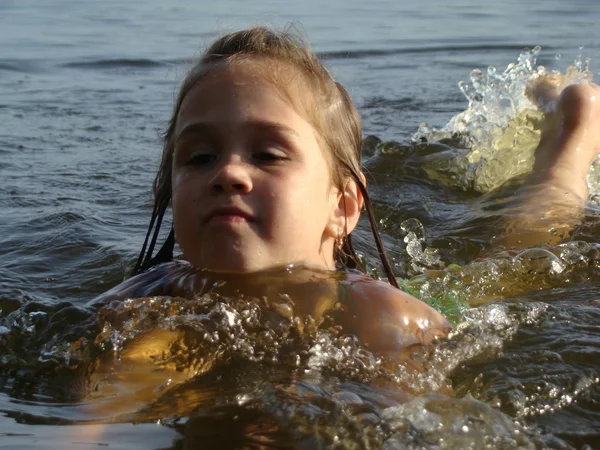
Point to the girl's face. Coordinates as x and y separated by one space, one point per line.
251 187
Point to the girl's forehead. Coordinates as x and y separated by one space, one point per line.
286 80
227 94
243 95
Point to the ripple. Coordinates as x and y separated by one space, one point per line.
18 65
468 49
141 63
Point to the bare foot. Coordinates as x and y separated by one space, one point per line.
570 139
553 199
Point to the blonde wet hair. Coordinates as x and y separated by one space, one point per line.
326 105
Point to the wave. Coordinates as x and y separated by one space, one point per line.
116 63
15 65
358 54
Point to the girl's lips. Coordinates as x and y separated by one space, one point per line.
227 219
229 215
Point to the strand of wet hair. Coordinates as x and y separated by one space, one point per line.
138 264
161 213
387 267
145 257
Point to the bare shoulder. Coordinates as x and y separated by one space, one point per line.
388 319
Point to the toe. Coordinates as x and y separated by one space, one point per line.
578 104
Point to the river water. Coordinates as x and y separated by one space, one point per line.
86 88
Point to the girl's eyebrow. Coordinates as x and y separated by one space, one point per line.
198 128
209 129
269 126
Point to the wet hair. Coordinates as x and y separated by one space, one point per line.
329 109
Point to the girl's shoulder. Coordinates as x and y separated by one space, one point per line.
387 318
159 280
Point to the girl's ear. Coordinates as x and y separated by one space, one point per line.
347 210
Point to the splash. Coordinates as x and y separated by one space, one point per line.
504 274
498 132
219 366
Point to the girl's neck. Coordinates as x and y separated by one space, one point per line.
303 284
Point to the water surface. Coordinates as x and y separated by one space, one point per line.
85 90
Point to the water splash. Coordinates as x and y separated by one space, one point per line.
500 128
507 273
422 257
222 362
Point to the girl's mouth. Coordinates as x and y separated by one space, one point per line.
229 215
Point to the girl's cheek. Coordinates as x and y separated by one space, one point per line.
179 183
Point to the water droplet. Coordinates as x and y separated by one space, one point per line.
464 88
477 79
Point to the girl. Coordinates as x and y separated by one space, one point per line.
261 166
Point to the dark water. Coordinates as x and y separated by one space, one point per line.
85 90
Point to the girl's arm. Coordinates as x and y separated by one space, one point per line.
389 321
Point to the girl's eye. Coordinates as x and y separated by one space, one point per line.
201 159
267 156
269 152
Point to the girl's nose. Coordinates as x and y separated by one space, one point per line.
232 177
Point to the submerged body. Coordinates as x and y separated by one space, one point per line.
383 319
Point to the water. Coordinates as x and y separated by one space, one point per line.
86 89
